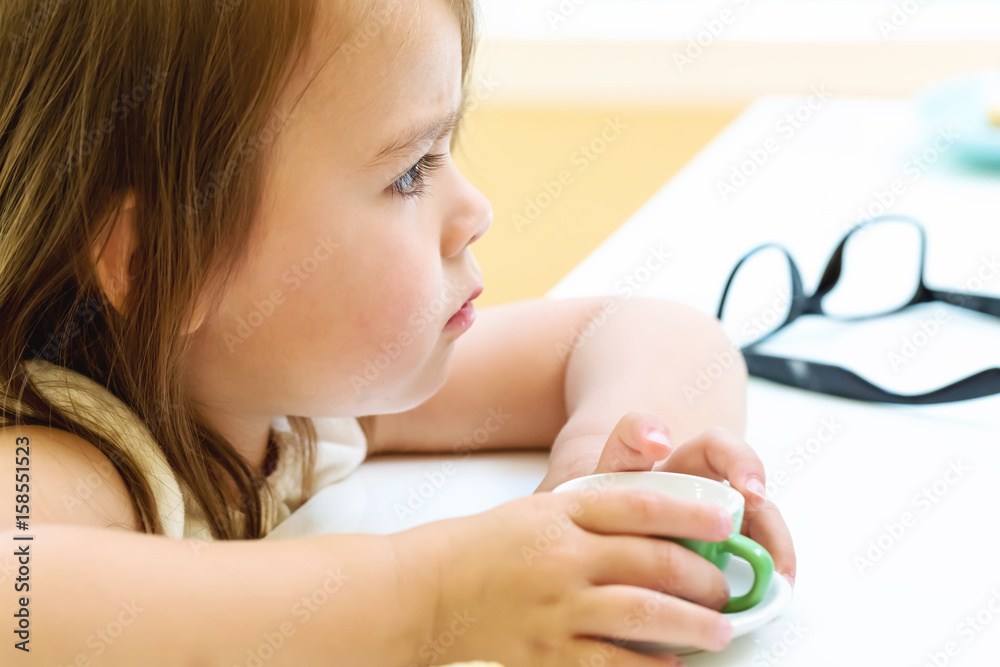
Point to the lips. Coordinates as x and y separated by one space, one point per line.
475 292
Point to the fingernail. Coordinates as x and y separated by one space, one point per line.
725 633
790 579
658 436
755 487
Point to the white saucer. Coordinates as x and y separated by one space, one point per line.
740 578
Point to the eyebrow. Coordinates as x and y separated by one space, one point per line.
418 136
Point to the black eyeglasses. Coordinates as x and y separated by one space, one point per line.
908 289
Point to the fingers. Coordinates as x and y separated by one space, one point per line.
627 612
660 565
765 526
612 653
721 455
638 440
627 510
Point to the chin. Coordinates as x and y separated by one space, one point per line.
407 392
427 385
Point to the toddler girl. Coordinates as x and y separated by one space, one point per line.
234 261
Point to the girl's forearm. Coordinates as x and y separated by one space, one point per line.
651 355
112 597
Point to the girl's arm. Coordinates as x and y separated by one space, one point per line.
459 589
114 597
95 592
590 376
534 373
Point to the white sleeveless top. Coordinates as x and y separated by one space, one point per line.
341 449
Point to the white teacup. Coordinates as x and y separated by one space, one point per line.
691 487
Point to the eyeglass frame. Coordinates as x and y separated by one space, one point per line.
836 380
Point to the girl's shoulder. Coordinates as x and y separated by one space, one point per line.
58 477
114 422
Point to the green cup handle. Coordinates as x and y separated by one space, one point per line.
763 568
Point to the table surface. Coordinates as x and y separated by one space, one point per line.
884 502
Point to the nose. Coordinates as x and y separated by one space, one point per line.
469 219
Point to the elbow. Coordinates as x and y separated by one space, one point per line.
711 369
721 362
718 356
723 348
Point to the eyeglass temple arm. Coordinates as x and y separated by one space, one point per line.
989 305
838 381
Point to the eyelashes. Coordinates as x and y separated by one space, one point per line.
413 184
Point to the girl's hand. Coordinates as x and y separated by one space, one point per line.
640 440
721 455
538 580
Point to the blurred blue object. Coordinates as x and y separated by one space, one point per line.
967 104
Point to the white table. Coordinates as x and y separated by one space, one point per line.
840 492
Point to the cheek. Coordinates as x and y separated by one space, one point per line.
366 309
359 296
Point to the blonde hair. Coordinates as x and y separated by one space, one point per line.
172 100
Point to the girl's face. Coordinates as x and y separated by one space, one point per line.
361 255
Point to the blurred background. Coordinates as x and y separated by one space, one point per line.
581 110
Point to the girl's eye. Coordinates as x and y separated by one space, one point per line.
413 183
